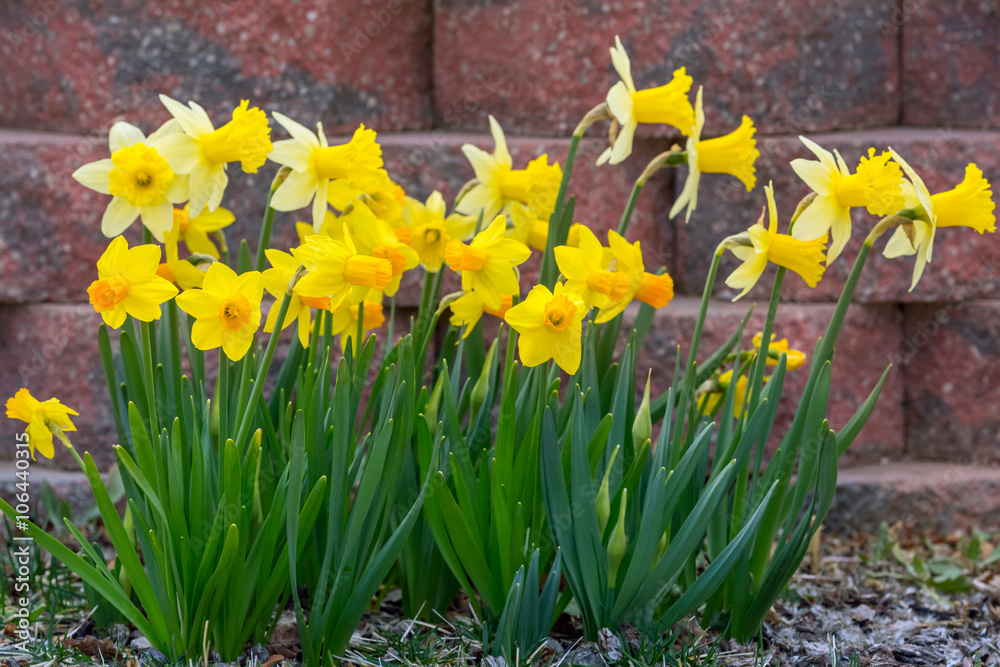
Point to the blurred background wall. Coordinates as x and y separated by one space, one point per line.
916 75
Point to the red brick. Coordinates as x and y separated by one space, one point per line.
52 350
965 264
951 56
538 67
79 66
868 342
952 364
940 498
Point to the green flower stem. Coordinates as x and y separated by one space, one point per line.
630 207
258 385
671 158
245 365
558 227
173 319
699 324
147 360
757 378
425 314
265 231
222 395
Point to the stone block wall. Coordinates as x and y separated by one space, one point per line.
921 77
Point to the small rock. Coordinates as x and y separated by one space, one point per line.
610 645
257 655
494 661
586 654
863 614
140 643
552 645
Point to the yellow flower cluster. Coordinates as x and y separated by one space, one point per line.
365 233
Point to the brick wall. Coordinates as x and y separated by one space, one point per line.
919 76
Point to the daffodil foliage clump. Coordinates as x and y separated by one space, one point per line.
523 468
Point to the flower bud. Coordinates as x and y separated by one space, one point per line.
434 404
618 543
479 390
642 426
603 498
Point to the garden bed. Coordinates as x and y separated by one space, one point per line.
872 600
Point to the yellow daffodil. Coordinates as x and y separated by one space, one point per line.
529 226
187 273
315 165
733 153
140 176
345 318
760 245
127 283
711 399
549 324
969 204
375 237
468 309
226 310
667 104
487 263
276 281
203 151
336 268
877 186
650 288
500 185
44 418
793 358
430 229
194 231
587 273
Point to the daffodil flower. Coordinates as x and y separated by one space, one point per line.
429 229
345 317
376 238
194 231
968 204
549 324
500 185
143 182
760 245
793 358
468 308
226 310
203 151
127 284
667 104
650 288
276 281
877 186
45 419
733 153
315 164
488 262
336 268
586 272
